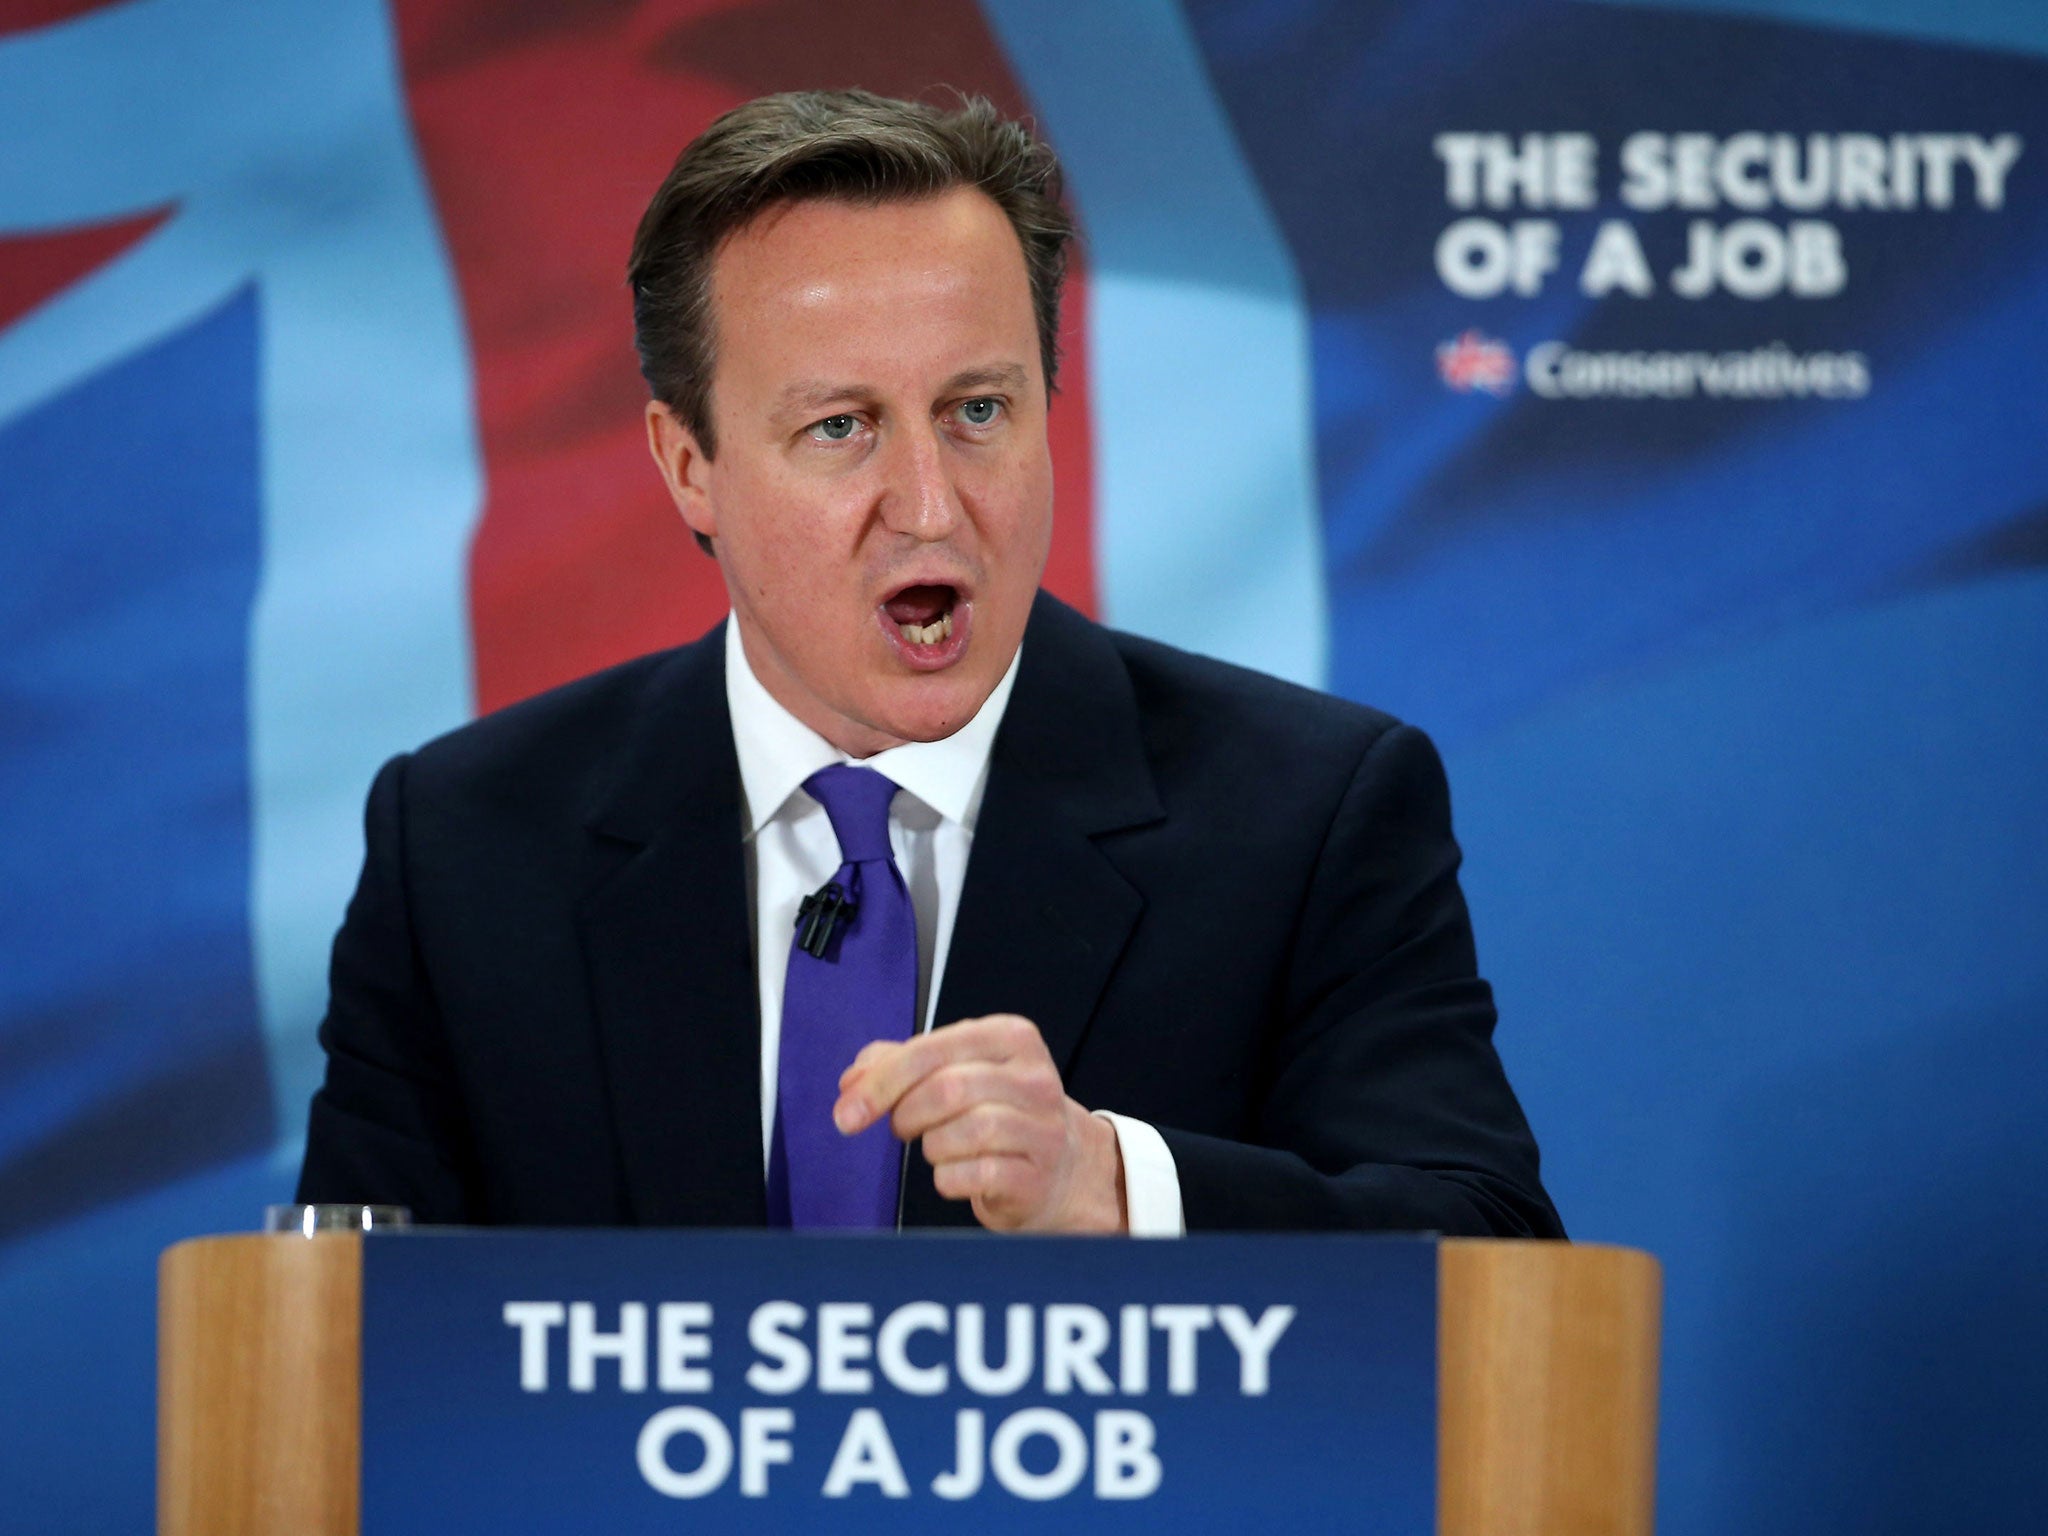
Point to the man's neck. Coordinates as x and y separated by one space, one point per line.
777 750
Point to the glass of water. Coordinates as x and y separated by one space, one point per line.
309 1219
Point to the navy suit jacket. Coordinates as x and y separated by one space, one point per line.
1230 905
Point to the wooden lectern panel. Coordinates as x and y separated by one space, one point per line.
1546 1389
1547 1398
259 1368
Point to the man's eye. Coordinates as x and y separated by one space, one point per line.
979 413
835 429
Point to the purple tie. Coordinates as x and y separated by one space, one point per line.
852 979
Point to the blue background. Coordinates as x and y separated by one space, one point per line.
1742 705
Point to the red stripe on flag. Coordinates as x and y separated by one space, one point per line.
35 267
545 127
21 15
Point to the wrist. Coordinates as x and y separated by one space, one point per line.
1105 1206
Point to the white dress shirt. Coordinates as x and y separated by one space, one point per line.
791 851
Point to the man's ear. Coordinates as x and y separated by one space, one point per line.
685 468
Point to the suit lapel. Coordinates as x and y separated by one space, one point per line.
665 934
1044 915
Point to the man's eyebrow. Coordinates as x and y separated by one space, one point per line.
815 394
806 395
995 376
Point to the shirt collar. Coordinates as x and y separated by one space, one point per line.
777 751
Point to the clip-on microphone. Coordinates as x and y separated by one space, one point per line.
819 913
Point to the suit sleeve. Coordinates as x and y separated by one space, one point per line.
386 1127
1383 1105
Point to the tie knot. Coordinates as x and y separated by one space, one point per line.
857 800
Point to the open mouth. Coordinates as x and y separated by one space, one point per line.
923 614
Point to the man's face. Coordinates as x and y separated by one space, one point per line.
881 499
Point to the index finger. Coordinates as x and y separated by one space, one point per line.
883 1072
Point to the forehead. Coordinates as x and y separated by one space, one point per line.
822 282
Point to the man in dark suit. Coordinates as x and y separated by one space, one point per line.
1207 964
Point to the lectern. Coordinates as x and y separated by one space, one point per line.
1547 1384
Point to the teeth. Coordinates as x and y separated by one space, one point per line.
929 634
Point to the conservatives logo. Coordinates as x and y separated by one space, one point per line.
1554 370
1557 371
1476 361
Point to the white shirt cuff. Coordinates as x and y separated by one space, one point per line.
1151 1182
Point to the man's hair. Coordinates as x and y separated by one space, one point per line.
848 146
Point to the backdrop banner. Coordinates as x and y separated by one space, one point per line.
1642 397
732 1381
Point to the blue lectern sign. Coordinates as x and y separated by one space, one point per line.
733 1381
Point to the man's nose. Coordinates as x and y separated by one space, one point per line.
919 496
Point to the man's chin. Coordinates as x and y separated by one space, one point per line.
931 708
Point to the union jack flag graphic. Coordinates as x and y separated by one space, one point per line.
1476 360
320 433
